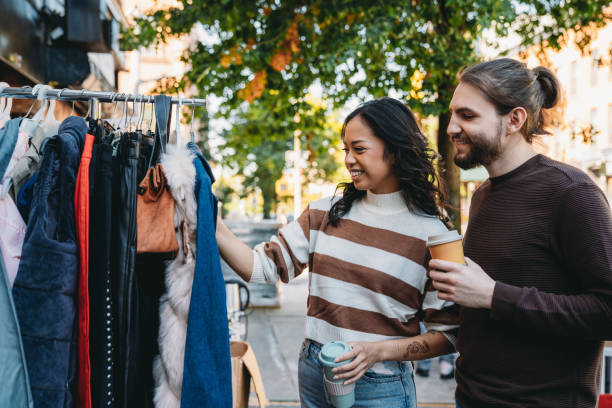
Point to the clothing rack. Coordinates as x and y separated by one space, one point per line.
85 95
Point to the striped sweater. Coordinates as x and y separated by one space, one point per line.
368 279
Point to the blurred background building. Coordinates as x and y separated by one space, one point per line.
63 43
582 126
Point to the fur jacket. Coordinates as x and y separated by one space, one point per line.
174 304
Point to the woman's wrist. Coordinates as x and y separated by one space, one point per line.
383 350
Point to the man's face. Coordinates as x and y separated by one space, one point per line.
475 128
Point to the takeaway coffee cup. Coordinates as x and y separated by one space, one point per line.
342 396
447 246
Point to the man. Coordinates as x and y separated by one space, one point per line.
536 293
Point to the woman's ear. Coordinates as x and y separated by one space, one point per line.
516 119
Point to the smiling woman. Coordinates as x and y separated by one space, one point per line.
367 258
384 136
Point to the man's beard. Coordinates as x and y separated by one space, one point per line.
482 150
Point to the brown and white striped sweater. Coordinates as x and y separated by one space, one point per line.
368 279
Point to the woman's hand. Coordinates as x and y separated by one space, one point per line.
364 355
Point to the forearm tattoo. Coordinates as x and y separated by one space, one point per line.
415 350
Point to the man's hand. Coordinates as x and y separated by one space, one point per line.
364 355
467 286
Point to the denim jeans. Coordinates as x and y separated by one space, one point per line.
373 390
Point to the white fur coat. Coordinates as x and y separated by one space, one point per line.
174 304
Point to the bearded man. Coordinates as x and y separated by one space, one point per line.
536 293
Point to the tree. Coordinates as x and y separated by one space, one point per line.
275 50
259 138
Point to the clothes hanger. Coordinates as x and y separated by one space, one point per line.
177 128
40 92
90 103
133 121
118 131
142 112
6 186
59 96
50 124
5 106
151 122
27 124
191 133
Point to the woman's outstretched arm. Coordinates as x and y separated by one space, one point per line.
235 252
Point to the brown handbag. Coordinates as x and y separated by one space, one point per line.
155 214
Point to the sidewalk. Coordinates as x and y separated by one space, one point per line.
276 336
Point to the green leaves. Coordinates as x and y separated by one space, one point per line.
355 48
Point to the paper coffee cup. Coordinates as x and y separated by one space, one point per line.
342 396
447 246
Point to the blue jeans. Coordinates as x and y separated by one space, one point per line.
373 390
425 365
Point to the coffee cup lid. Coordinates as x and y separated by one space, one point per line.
331 350
444 238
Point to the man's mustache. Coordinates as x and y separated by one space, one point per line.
461 138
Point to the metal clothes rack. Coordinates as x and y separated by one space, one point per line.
85 95
93 97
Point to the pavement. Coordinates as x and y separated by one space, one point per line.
276 335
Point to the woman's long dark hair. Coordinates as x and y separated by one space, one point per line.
395 124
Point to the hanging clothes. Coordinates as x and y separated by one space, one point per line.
174 304
8 136
123 258
13 145
139 279
15 390
207 380
81 214
45 287
29 163
102 331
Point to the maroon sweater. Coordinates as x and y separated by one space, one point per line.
544 233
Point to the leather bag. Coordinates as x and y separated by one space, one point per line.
155 214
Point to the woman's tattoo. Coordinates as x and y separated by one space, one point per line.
418 347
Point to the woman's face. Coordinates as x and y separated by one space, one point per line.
365 160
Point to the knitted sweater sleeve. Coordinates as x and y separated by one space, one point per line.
583 233
439 315
285 256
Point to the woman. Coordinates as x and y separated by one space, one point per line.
367 257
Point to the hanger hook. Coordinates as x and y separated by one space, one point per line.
59 96
124 110
152 101
113 97
192 116
133 113
142 112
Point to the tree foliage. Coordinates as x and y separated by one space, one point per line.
259 138
272 51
